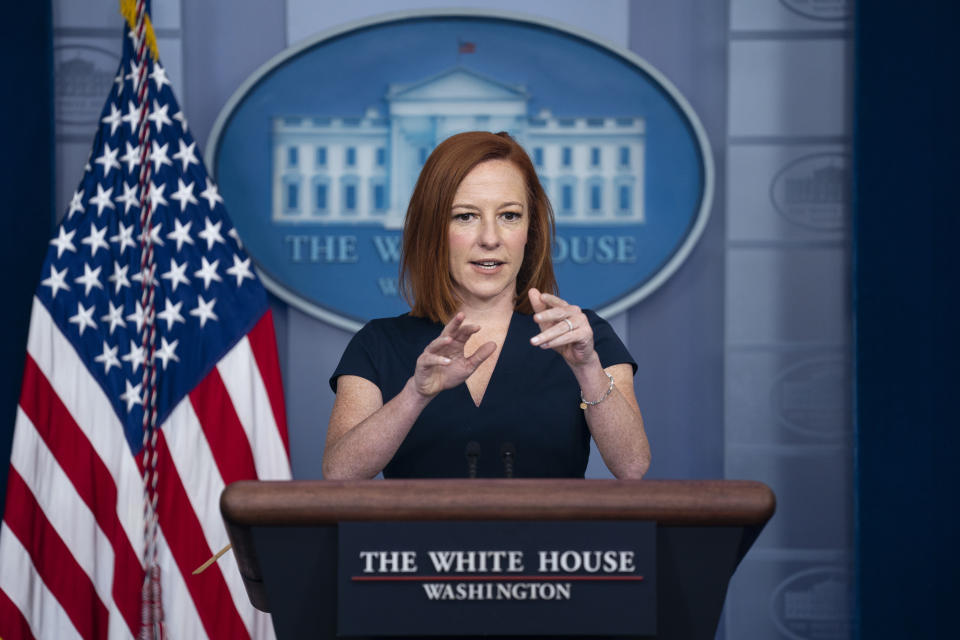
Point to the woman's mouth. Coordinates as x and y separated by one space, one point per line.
487 265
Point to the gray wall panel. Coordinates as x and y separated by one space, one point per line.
791 87
788 295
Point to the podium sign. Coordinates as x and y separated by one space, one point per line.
497 578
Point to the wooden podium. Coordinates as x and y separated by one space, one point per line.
284 535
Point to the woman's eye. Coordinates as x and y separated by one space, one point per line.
462 217
512 215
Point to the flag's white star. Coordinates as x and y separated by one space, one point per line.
136 356
159 116
131 157
84 318
155 195
119 77
95 239
132 395
132 117
185 155
176 274
134 75
76 204
89 279
119 277
204 311
184 194
102 199
211 194
182 119
159 76
181 233
158 155
236 236
124 237
114 316
167 352
56 281
64 241
113 119
139 316
108 358
240 269
145 278
208 271
171 313
211 233
108 159
154 235
130 197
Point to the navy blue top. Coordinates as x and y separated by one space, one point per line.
532 401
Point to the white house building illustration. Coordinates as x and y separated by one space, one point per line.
362 169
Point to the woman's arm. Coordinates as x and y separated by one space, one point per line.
615 421
364 433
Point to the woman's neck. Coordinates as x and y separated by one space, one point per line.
488 313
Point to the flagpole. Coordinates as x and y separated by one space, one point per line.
151 595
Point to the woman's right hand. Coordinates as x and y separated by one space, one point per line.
444 363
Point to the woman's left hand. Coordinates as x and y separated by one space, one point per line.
563 327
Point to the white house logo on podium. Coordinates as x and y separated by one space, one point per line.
320 150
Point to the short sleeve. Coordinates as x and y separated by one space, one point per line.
358 358
607 344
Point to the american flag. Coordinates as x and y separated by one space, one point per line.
73 537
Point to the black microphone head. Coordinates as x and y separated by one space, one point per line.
508 450
473 449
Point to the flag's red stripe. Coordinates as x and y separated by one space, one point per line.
13 626
57 567
90 477
184 536
263 343
223 430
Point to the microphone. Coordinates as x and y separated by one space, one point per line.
473 455
508 454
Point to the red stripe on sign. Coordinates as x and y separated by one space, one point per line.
497 578
183 533
222 429
263 343
90 477
54 563
13 626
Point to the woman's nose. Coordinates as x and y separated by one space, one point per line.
489 234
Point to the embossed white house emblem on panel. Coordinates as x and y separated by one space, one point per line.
349 120
362 168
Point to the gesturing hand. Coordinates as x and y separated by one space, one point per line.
444 363
563 327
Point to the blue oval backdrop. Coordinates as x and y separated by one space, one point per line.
317 154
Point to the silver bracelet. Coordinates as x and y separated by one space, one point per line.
584 403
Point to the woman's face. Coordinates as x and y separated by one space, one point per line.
488 232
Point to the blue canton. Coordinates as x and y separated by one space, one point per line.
207 295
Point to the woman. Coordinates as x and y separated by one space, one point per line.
476 270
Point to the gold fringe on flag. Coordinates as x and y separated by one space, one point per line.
128 9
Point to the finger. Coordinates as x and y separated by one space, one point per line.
463 333
551 300
536 300
483 352
433 360
553 332
437 344
454 324
569 337
553 316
